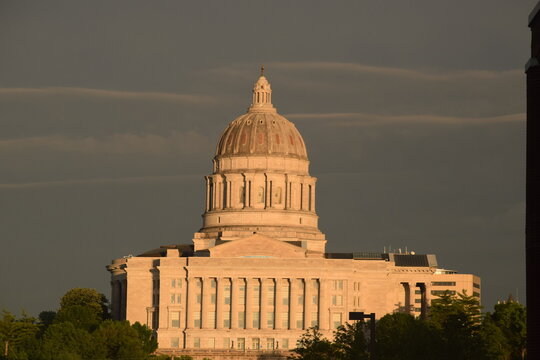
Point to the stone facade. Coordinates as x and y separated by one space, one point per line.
257 274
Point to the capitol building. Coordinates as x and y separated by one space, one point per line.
257 274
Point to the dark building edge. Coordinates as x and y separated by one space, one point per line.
532 227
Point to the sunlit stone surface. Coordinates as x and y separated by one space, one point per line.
257 274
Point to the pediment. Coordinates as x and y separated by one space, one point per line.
257 246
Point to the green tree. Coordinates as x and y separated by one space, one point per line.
146 336
313 346
510 316
458 318
350 342
18 336
119 341
402 337
85 308
494 345
64 340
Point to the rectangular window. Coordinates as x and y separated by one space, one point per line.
270 295
213 299
270 343
242 295
285 298
285 320
300 299
337 300
255 343
226 343
256 322
256 295
336 320
227 294
476 294
197 319
199 298
241 343
270 319
226 319
197 342
175 319
300 320
314 319
418 309
241 319
443 283
476 285
442 292
176 298
284 343
175 342
418 301
213 283
315 300
417 292
337 284
212 343
198 283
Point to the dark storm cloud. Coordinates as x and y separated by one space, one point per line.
413 114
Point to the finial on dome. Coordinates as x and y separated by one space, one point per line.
262 70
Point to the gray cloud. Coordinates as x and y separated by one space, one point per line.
360 119
99 181
177 142
109 94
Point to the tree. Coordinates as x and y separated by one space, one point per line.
510 316
350 342
313 346
85 308
146 336
18 336
458 318
119 341
402 337
64 340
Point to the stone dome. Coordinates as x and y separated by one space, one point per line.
261 131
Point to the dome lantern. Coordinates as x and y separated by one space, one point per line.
262 95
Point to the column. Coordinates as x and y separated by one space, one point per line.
267 191
293 303
185 298
249 303
220 300
313 196
207 193
264 302
219 193
423 300
191 289
308 291
323 304
205 303
234 303
407 305
278 305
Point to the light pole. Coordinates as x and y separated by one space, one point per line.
359 315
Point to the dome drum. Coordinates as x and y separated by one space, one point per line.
261 179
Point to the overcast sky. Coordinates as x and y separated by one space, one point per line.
413 113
